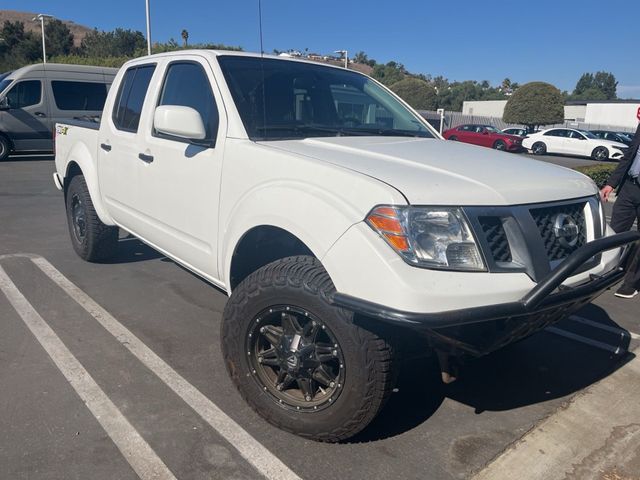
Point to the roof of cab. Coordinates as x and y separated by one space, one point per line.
217 53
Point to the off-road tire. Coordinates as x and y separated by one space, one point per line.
539 148
5 148
600 154
100 241
369 368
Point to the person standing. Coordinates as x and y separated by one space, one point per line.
626 210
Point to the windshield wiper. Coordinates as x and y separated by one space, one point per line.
386 132
308 129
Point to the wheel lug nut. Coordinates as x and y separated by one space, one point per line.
262 329
279 387
334 353
308 398
332 384
259 359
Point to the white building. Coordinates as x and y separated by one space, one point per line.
604 113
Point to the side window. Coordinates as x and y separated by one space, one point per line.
576 135
25 94
128 105
79 95
187 84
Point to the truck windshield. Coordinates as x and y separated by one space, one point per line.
280 99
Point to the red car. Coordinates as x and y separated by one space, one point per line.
484 135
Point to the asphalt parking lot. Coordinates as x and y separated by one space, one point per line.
113 371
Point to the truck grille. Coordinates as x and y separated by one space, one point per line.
496 238
545 219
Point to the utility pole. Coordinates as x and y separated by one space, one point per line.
148 28
41 17
346 57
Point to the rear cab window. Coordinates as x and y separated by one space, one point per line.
128 105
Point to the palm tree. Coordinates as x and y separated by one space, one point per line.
185 37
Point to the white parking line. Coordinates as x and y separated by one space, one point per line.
616 330
136 451
249 448
616 350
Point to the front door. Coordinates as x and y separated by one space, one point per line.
179 179
27 121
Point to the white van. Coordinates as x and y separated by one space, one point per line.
34 98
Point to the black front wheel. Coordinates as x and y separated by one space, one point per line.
300 362
5 148
600 154
500 145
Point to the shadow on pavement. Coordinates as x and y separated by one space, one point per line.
29 157
131 250
542 367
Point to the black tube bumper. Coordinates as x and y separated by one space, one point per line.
480 330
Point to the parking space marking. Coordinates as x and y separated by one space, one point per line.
135 449
249 448
616 330
616 350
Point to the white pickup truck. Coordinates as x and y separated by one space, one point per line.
336 219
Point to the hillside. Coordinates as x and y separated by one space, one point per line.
79 31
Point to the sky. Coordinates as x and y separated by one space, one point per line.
553 41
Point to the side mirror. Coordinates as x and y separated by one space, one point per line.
179 121
4 103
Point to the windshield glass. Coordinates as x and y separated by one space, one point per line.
587 134
4 82
298 100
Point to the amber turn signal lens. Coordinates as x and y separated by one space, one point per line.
398 242
386 224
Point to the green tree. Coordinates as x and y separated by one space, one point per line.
361 57
58 38
417 93
117 43
598 86
535 104
390 73
18 48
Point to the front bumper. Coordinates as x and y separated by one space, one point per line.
480 330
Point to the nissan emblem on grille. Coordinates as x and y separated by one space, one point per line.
566 230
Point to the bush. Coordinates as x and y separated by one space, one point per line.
534 104
598 173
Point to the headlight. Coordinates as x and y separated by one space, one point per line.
432 237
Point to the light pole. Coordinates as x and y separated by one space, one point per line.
148 27
41 17
346 57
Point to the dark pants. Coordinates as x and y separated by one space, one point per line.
626 210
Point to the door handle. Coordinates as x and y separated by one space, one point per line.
145 158
106 147
39 114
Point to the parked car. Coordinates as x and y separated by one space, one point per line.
340 224
569 141
484 135
34 98
618 137
519 131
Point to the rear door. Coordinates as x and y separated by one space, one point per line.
27 121
119 144
179 180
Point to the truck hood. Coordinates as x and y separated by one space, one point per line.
437 172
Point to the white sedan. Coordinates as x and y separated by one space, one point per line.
569 141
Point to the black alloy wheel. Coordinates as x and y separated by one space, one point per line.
5 148
78 218
500 145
